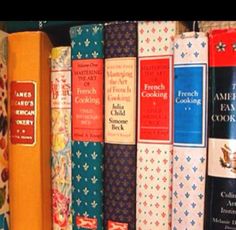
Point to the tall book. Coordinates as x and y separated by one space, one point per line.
29 141
61 137
87 126
190 139
155 109
120 125
4 200
221 175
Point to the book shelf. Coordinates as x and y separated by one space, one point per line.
60 34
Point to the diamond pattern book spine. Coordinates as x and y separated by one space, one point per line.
155 108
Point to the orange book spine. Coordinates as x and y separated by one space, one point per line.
29 139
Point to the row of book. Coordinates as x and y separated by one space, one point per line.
111 133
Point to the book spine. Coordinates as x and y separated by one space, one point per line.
4 201
61 137
29 139
190 112
87 126
120 125
221 175
154 155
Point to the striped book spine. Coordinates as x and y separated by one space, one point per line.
190 113
154 154
87 126
120 125
4 196
221 175
61 137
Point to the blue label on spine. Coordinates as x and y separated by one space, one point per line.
189 105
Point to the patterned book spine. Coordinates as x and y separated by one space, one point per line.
221 175
154 155
190 106
120 125
87 126
4 205
61 137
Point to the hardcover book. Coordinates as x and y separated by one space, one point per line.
155 109
221 173
120 125
29 140
61 137
87 126
190 129
4 195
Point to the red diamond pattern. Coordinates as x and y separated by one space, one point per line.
165 161
156 38
155 167
147 40
154 185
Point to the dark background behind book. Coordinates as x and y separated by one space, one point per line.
58 31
